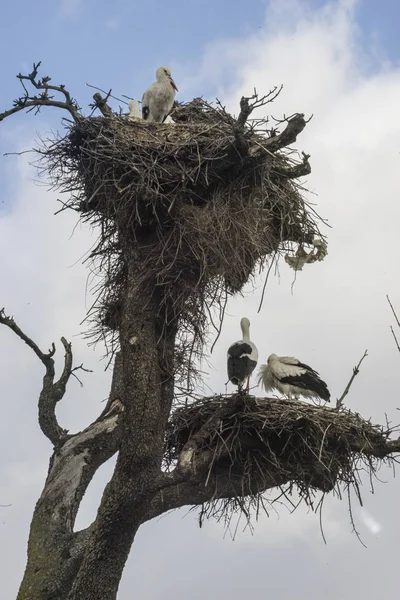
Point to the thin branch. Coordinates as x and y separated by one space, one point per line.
356 371
397 321
395 338
9 322
393 311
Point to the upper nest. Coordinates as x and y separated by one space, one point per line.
254 444
208 199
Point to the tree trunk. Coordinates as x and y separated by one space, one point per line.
147 354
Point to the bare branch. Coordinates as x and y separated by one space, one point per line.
28 101
9 322
395 338
299 170
356 371
398 324
247 106
295 125
52 392
101 104
393 311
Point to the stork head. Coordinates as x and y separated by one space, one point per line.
164 74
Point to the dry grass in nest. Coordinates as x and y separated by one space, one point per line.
206 202
254 444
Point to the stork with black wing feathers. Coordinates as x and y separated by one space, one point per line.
242 358
292 378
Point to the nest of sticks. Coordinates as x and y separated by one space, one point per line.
250 445
207 201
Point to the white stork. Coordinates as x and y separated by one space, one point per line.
158 99
292 378
242 357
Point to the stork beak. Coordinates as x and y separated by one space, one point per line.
173 84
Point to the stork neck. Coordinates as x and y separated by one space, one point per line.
246 333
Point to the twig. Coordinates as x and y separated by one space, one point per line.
397 321
356 371
395 338
393 311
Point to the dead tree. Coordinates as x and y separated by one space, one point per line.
186 214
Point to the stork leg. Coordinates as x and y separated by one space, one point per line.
248 385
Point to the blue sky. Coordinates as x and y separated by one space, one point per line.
119 44
338 61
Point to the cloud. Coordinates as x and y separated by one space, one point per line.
70 8
113 23
337 309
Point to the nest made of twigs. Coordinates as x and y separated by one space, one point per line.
255 444
206 206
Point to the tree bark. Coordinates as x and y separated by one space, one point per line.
148 395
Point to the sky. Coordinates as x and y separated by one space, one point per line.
338 61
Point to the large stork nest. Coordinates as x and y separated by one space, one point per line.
249 445
205 202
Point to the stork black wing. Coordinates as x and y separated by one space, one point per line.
236 350
145 112
308 381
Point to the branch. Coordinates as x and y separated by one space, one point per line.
299 170
247 105
9 322
397 321
188 463
356 371
295 125
101 104
52 392
43 99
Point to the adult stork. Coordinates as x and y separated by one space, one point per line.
292 378
242 357
159 98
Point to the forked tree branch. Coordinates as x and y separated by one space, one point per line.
52 391
356 371
28 101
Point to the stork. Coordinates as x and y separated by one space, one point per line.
242 357
134 110
292 378
159 98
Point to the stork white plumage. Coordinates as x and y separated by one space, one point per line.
134 110
292 378
242 357
158 99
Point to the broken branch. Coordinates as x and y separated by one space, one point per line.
356 371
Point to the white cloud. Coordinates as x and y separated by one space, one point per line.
338 309
113 23
70 8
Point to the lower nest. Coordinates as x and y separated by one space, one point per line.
257 444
